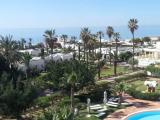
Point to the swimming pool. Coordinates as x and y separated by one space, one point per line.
147 115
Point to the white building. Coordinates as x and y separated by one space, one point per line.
39 63
32 52
149 56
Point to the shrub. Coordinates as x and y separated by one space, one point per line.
130 61
43 102
131 77
154 70
95 92
145 96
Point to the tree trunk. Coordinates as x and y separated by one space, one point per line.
115 67
110 53
72 99
115 59
100 46
79 55
99 70
84 52
64 43
120 98
87 59
133 54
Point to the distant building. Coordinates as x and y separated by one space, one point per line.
32 52
39 63
150 55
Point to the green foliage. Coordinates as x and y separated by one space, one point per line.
14 101
132 76
139 95
125 56
95 92
130 61
16 94
57 72
146 39
42 102
57 114
120 87
154 70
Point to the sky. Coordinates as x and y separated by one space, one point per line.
77 13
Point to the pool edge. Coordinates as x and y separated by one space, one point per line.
125 118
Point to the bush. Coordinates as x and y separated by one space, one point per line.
154 70
130 61
95 92
43 102
131 77
145 96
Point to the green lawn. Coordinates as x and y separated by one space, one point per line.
109 71
139 85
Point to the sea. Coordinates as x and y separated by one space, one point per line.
37 33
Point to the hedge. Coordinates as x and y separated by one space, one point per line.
139 74
145 96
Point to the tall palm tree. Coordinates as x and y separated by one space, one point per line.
100 35
9 49
79 51
85 36
132 25
116 37
64 37
110 32
95 45
72 80
23 41
73 40
50 39
30 42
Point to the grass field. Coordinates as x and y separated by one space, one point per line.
139 85
109 71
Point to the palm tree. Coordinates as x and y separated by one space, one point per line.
30 42
110 32
116 37
79 51
23 41
100 35
72 80
85 36
91 43
95 43
42 54
50 39
132 25
26 57
120 88
8 49
64 37
73 40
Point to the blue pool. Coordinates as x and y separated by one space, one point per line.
148 115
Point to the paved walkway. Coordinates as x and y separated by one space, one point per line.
139 105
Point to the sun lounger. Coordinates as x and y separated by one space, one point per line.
98 105
96 108
102 110
100 114
124 103
112 105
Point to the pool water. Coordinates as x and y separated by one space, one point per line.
148 115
